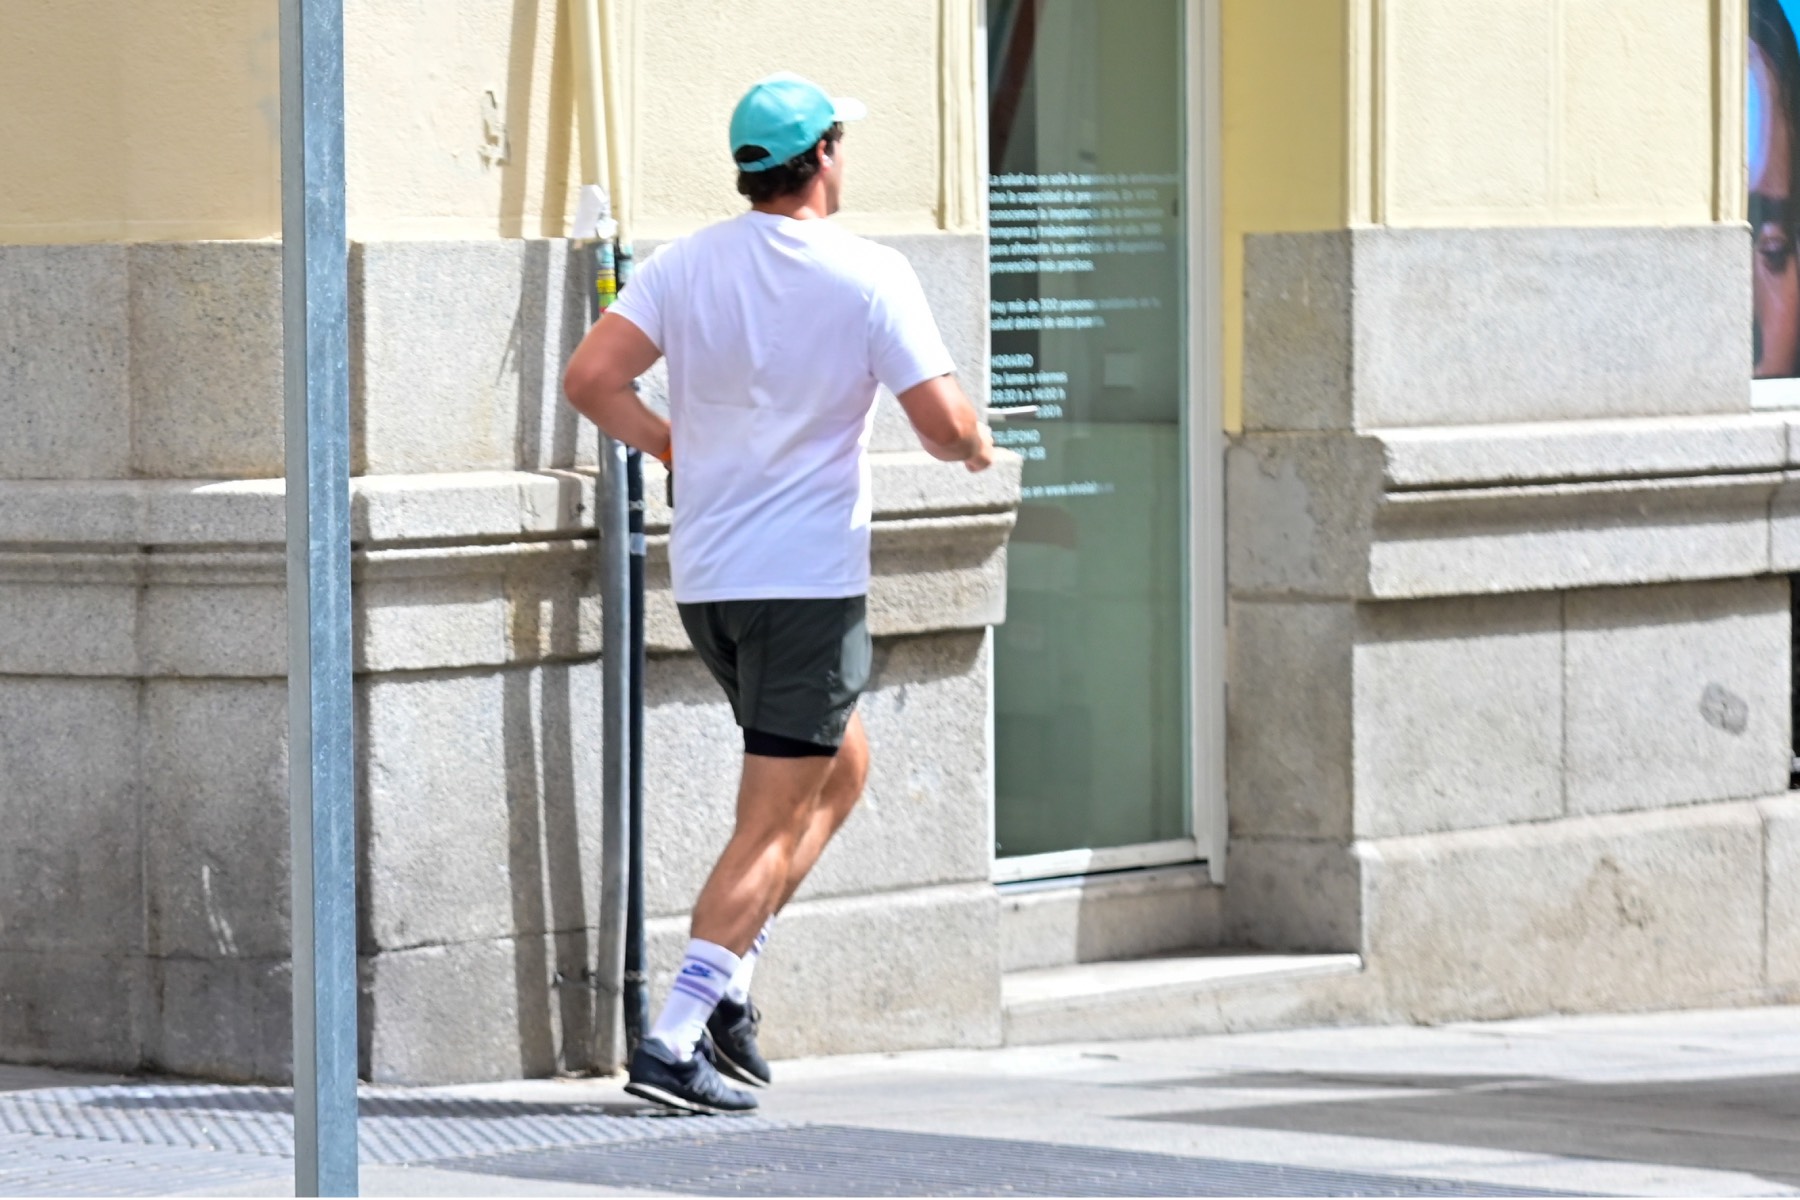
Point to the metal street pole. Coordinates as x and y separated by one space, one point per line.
611 1036
321 778
636 999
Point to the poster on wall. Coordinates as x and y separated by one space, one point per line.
1774 168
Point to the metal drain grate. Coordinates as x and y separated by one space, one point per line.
830 1160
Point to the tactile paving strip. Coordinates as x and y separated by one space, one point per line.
157 1138
395 1127
828 1160
38 1165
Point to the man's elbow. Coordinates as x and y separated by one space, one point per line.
587 383
940 412
578 380
951 429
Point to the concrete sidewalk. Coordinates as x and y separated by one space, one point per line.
1669 1104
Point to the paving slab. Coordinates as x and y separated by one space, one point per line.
1656 1104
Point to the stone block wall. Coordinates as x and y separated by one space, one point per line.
909 870
143 653
1510 633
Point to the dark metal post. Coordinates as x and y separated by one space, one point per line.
611 1046
321 773
612 1043
637 1000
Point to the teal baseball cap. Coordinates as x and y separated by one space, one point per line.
782 117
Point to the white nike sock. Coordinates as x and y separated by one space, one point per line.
738 990
699 983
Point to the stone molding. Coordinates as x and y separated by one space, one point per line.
393 510
461 440
168 577
1541 452
1472 510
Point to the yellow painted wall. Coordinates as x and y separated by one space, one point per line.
428 153
420 149
1546 112
159 119
141 121
1285 156
695 58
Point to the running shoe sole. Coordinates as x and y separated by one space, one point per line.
723 1061
654 1094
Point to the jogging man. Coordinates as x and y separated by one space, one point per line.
777 326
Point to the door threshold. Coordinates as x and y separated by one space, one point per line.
1061 864
1184 994
1191 970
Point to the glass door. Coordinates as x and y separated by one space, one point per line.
1088 218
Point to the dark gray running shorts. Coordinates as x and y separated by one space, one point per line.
792 669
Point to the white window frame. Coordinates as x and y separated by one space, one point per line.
1774 393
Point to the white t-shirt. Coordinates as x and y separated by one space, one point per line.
776 333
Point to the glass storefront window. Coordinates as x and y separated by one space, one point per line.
1088 261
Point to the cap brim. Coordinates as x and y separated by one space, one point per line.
844 108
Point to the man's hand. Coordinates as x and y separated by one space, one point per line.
983 458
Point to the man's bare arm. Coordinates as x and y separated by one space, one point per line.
947 424
598 383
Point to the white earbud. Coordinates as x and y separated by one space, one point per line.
826 159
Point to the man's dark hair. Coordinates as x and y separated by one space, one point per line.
790 177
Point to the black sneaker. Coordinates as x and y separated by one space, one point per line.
693 1086
732 1028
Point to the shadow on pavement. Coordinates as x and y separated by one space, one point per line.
1749 1124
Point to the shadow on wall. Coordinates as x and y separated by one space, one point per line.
550 927
544 847
539 362
456 355
535 794
514 136
544 836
